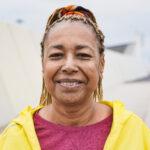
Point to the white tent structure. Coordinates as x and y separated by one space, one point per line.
20 70
120 73
21 75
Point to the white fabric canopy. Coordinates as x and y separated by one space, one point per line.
21 75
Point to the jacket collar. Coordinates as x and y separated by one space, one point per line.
25 120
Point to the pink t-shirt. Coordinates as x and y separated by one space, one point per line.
57 137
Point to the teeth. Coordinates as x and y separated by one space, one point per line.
70 84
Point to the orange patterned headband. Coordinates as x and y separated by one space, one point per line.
70 10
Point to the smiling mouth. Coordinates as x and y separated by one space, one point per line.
70 83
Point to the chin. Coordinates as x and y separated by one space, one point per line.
70 99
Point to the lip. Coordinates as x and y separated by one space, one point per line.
70 83
70 80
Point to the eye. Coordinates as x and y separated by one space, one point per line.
56 56
84 56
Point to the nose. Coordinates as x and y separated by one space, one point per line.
69 65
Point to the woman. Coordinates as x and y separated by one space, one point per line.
69 116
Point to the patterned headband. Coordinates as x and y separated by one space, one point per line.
70 10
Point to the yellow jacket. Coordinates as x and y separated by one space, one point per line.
128 131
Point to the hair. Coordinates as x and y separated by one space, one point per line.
74 14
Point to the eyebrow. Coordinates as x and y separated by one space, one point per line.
77 47
57 46
80 46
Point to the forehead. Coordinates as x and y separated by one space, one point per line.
76 30
70 24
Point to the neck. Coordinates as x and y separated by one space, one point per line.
74 115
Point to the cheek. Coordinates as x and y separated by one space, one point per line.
92 72
49 70
50 67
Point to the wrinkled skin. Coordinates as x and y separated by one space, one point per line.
72 64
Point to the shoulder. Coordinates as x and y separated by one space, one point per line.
129 122
18 131
128 130
16 124
128 127
135 129
10 135
138 124
11 129
123 116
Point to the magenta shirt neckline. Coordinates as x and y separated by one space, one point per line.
58 127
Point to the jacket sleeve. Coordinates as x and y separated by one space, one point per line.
13 138
146 137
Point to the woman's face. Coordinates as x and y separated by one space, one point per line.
72 65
